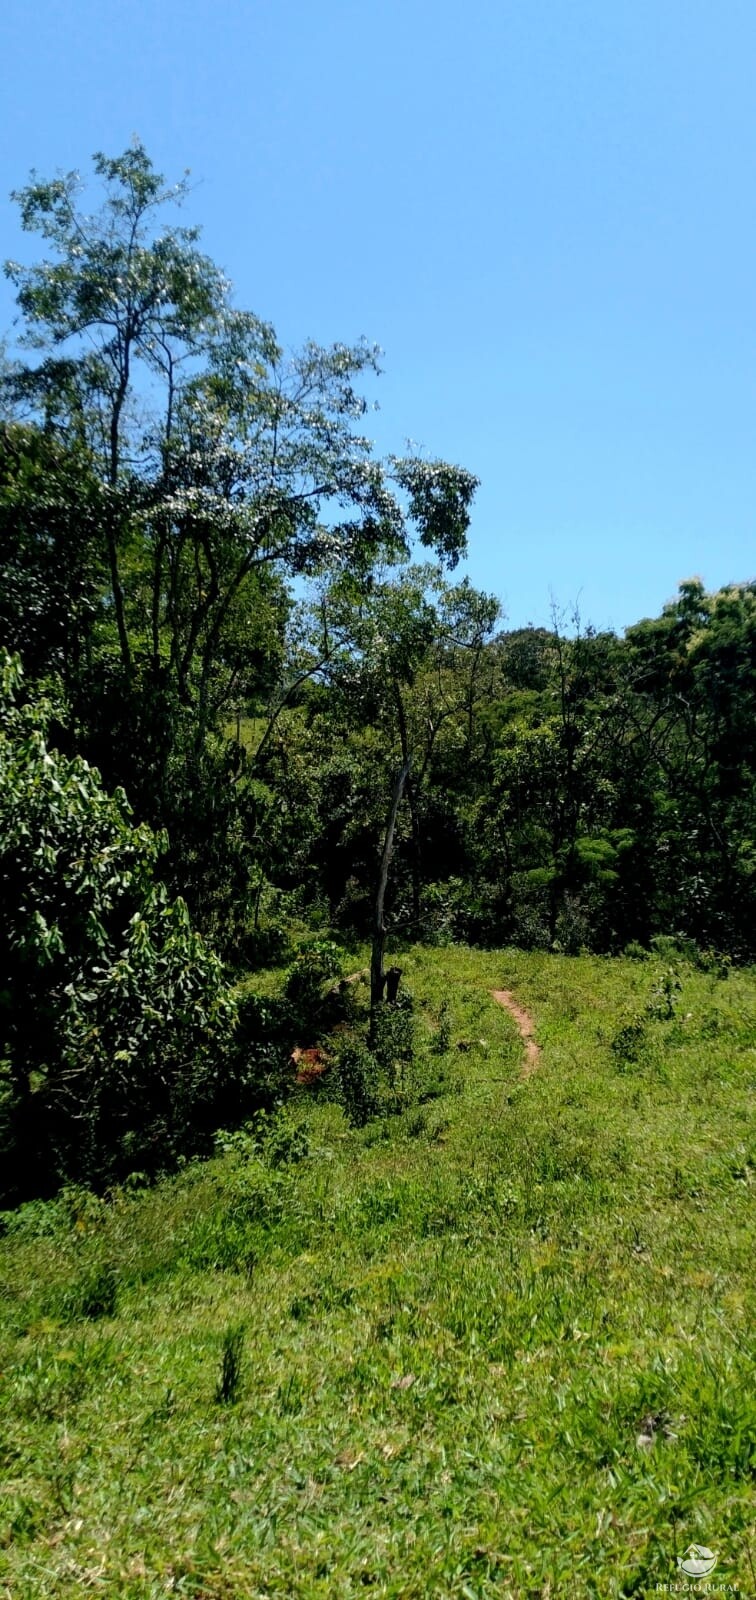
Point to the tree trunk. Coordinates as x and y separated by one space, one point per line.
406 758
379 926
416 854
111 525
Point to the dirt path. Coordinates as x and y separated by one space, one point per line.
505 998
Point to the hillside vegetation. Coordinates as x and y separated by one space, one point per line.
249 698
315 1286
494 1345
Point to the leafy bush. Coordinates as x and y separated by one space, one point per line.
266 946
663 1001
635 951
393 1042
314 965
355 1074
114 1016
93 1296
574 924
278 1140
233 1232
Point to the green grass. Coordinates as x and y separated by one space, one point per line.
417 1360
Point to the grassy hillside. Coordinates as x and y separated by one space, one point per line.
498 1346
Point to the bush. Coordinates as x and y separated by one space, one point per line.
314 965
278 1140
442 1038
663 1001
393 1043
356 1074
114 1016
267 946
630 1042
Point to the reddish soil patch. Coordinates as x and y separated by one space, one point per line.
505 998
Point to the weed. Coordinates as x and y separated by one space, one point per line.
635 951
441 1041
629 1043
664 996
95 1295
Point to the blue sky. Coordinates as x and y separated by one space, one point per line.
543 210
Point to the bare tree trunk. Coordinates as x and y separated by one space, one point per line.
379 926
414 820
111 536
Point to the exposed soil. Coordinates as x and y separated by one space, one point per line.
505 998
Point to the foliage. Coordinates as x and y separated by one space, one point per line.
203 469
114 1017
200 541
356 1083
565 791
314 964
50 510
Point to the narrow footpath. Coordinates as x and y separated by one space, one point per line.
526 1026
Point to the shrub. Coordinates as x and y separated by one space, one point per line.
355 1074
663 1001
574 926
393 1043
95 1295
265 946
314 965
278 1140
629 1043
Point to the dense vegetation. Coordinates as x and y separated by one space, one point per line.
250 668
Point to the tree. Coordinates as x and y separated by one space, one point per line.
399 657
690 684
226 452
224 470
119 293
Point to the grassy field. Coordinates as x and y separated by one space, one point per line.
496 1346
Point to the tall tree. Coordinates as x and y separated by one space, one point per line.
224 468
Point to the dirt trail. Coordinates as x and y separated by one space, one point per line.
505 998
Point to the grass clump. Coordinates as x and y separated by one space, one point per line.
228 1387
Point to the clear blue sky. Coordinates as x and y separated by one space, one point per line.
543 210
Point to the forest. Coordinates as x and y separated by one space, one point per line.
251 717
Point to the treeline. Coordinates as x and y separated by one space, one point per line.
562 792
221 602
